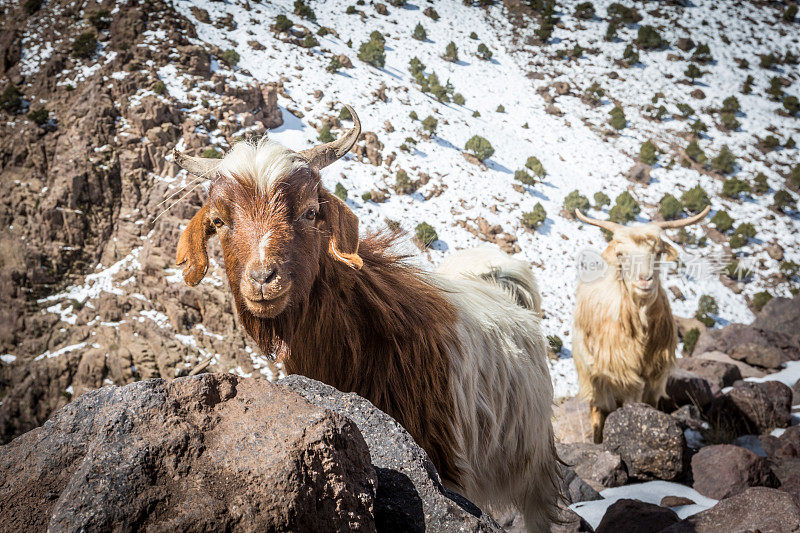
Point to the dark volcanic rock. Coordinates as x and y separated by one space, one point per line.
410 496
651 443
634 516
758 355
756 509
788 473
781 315
686 388
723 470
736 336
597 466
212 452
575 489
675 501
786 446
718 374
754 408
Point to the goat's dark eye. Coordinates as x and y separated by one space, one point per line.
310 214
218 222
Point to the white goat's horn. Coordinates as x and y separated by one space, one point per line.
323 155
202 167
605 224
669 224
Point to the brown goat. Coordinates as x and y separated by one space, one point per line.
473 390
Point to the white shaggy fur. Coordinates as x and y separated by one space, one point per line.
263 162
501 387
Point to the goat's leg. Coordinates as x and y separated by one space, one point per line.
598 421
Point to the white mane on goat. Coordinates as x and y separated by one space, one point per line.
263 162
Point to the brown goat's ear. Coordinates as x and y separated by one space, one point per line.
343 226
192 253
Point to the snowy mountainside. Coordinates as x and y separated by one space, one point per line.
574 148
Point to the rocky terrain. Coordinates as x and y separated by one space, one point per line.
94 95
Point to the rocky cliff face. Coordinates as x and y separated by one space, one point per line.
86 129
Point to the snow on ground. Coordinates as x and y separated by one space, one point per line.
649 492
573 149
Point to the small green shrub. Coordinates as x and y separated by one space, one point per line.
790 13
723 221
584 10
630 56
706 307
500 109
429 124
419 33
458 99
523 177
100 19
617 120
484 52
794 176
575 200
450 52
670 207
741 235
473 36
625 209
611 32
84 45
325 134
601 200
340 191
282 23
760 185
775 90
480 147
648 153
695 199
725 161
344 114
413 115
733 187
685 109
303 11
372 52
536 166
212 153
731 105
693 72
747 87
402 183
696 153
792 105
309 41
690 340
231 57
39 116
702 53
648 38
334 65
698 126
782 200
425 233
729 121
159 87
11 99
760 299
534 219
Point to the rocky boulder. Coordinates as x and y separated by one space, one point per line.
752 343
781 315
597 466
754 408
756 509
634 516
723 470
686 388
650 442
717 373
212 452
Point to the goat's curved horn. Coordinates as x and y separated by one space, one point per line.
669 224
323 155
605 224
202 167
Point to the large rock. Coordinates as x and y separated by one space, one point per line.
785 446
718 374
781 315
212 452
574 489
651 443
723 470
597 466
745 370
686 388
634 516
756 509
410 496
754 408
768 357
788 473
735 336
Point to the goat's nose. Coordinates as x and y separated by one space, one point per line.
646 277
261 275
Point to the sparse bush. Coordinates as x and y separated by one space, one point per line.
670 207
425 233
702 53
476 114
737 271
695 199
429 124
351 10
309 41
458 99
480 147
32 6
760 299
623 14
340 191
696 153
747 88
770 142
698 126
523 177
344 114
555 343
282 23
775 90
706 307
686 110
625 209
630 56
731 105
534 219
789 268
334 65
416 68
792 105
648 38
231 58
536 166
648 153
402 183
584 10
790 13
617 120
575 200
741 235
760 185
413 115
366 197
84 45
733 187
419 33
484 52
729 121
450 52
159 87
39 116
473 36
601 200
690 340
11 99
594 93
782 200
372 52
212 153
430 12
768 61
794 176
325 134
500 109
100 19
722 221
725 161
303 11
693 72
